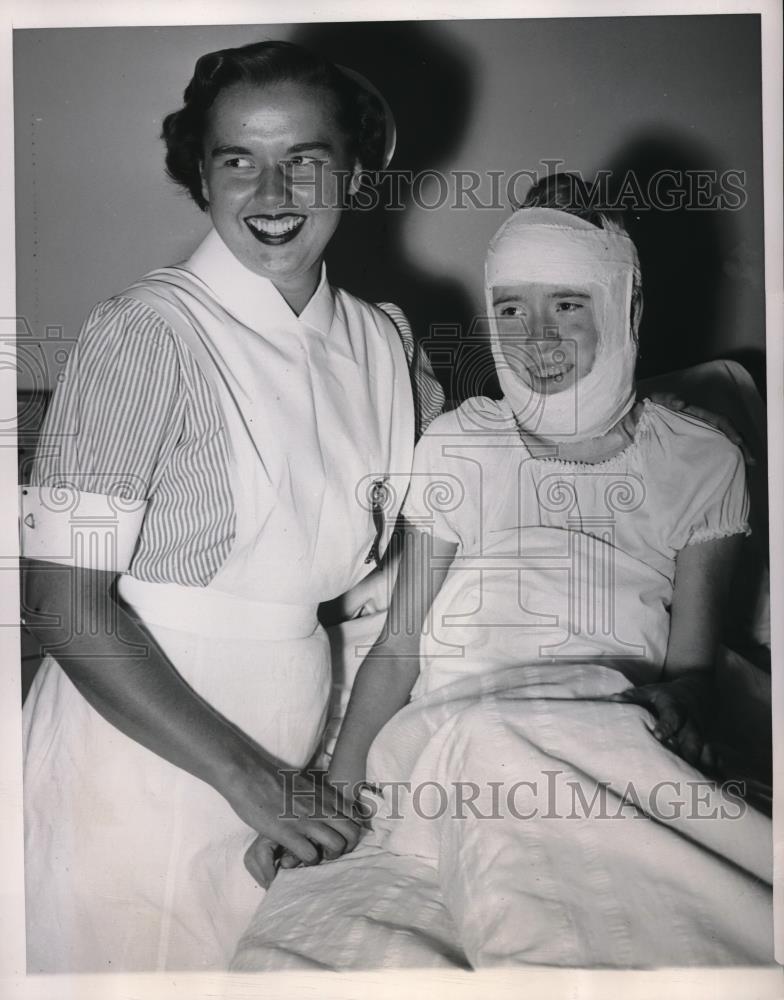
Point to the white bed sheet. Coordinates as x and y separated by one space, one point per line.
611 886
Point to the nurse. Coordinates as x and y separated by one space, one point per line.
211 470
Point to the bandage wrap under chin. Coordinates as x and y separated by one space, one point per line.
548 246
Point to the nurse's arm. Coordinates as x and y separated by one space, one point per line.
122 673
385 679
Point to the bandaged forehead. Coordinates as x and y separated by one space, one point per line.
551 247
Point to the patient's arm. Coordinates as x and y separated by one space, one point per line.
682 701
703 572
385 679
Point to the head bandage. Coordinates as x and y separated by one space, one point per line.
547 246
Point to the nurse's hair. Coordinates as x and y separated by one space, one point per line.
569 193
360 113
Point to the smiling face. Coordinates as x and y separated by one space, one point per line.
274 173
548 333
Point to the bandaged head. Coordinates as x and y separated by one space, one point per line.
548 247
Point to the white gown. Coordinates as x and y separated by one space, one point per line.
131 863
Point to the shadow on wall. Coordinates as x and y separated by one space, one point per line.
429 87
683 252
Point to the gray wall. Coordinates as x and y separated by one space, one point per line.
95 211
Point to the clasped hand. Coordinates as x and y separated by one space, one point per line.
299 821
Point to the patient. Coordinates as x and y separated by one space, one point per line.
567 553
526 737
651 503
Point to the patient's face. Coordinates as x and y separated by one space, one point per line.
548 333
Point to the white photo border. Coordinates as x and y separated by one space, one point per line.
674 983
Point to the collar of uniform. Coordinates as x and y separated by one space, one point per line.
252 299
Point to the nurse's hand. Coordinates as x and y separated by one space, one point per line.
265 856
262 860
303 817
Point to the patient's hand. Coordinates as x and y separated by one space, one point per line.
684 708
673 402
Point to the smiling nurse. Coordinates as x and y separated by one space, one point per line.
272 175
218 416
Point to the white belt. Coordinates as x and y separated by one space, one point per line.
214 613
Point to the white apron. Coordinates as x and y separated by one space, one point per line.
131 863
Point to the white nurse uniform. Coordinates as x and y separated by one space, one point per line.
132 863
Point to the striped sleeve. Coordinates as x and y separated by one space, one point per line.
428 395
114 405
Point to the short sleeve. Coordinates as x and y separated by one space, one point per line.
726 508
445 486
428 394
113 407
702 479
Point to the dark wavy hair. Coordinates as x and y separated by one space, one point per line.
569 193
360 114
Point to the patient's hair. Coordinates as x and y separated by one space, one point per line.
569 193
360 115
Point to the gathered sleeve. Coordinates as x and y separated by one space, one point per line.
705 494
428 394
726 509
